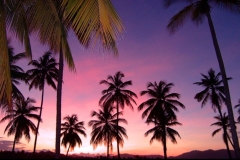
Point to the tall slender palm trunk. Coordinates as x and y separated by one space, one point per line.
68 150
108 145
40 115
225 134
117 132
165 143
230 140
14 142
226 143
59 97
226 87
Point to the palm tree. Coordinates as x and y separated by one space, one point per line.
118 95
162 130
160 99
160 110
104 128
196 11
13 17
17 74
50 21
89 20
70 130
213 91
238 105
223 122
20 122
44 71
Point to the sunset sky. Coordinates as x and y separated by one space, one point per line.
147 53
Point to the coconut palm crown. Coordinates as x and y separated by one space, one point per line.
20 118
213 90
160 98
71 129
104 129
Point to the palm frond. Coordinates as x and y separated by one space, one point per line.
178 19
5 80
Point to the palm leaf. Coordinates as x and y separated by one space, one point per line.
5 80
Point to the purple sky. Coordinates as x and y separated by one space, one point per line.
147 53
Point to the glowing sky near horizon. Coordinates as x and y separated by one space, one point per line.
147 53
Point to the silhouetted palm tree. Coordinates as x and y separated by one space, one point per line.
238 105
70 130
213 91
223 122
104 129
162 130
17 74
160 110
20 122
44 71
160 99
197 10
117 94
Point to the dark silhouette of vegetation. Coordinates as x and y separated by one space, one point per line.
196 11
117 95
44 71
104 129
51 22
214 92
33 16
51 155
238 106
70 130
17 75
160 110
20 122
207 154
162 130
223 122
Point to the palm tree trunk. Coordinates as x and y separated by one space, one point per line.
68 150
108 146
226 88
230 140
117 132
40 115
14 142
220 112
226 143
59 97
165 143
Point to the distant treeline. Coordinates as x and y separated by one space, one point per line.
51 155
